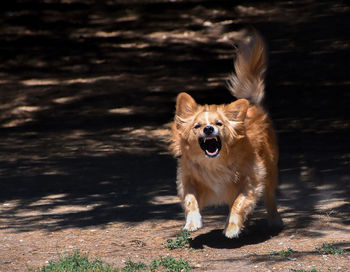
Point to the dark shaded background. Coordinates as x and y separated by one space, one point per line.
87 89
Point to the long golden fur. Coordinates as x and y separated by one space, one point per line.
227 154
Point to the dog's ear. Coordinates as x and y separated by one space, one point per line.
185 106
237 111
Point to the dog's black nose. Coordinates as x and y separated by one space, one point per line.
208 130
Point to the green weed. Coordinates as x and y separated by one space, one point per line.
329 248
171 265
78 263
134 267
284 253
181 241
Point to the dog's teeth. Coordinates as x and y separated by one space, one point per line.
205 139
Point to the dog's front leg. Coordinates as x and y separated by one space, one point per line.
240 209
193 216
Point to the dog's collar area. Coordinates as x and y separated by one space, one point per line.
210 145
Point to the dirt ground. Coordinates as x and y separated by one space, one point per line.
87 90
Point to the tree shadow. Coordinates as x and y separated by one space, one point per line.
90 191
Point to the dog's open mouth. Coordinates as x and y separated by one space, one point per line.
210 145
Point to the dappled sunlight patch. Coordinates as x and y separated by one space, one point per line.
98 146
40 82
54 172
139 45
124 206
83 142
65 100
216 81
342 45
104 34
256 11
79 80
55 196
69 209
127 18
128 110
47 210
17 122
178 36
205 36
165 200
123 111
21 115
150 133
21 109
332 204
131 140
76 134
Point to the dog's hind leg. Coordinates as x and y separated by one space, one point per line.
274 218
271 182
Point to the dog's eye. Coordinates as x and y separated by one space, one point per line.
218 123
197 126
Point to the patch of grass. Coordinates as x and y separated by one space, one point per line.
78 263
181 241
284 253
329 248
171 265
134 267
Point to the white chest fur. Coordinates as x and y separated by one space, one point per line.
217 178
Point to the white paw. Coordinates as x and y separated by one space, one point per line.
233 226
232 230
193 221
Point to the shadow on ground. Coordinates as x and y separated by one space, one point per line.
87 91
254 233
273 258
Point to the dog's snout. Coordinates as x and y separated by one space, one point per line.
208 130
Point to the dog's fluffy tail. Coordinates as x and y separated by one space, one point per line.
250 66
